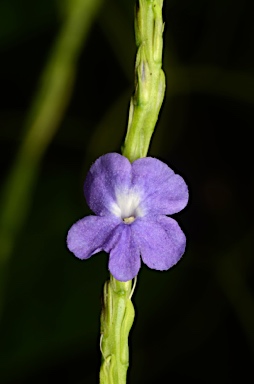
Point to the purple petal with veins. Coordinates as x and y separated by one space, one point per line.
131 202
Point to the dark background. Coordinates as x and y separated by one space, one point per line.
195 322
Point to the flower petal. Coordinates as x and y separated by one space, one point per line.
109 173
89 235
164 192
124 260
160 240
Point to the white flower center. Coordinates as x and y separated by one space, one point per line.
127 206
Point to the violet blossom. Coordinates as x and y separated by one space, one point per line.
131 201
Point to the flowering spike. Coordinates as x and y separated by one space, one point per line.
131 196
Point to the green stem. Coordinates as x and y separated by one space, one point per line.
116 321
150 79
118 312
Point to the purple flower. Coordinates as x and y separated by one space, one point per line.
131 202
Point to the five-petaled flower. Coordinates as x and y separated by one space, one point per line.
131 201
